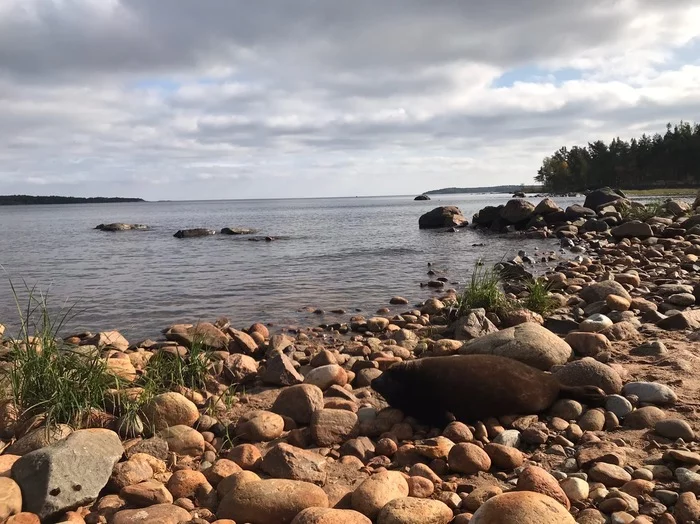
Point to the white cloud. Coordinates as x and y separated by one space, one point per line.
229 98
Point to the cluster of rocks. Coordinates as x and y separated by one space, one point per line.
305 439
189 233
604 212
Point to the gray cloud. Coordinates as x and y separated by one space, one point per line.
180 99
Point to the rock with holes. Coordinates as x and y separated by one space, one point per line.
68 474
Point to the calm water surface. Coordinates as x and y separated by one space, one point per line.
336 253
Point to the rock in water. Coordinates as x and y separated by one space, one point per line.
68 474
602 196
444 216
193 233
529 343
238 231
422 197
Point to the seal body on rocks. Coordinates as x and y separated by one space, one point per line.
472 387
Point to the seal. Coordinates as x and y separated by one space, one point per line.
436 390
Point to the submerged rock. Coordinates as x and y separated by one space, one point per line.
193 233
238 231
119 226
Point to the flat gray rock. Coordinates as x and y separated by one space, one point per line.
69 473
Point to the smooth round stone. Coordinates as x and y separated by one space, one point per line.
645 417
650 393
411 510
618 405
688 480
595 323
592 420
674 428
576 489
509 437
666 496
653 348
682 299
567 409
524 507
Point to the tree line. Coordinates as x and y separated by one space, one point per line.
648 162
21 200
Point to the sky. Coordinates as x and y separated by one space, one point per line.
211 99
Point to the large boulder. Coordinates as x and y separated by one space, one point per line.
529 343
523 507
422 197
546 206
600 291
487 216
517 210
193 233
602 196
443 216
633 228
68 474
273 501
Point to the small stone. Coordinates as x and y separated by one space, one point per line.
595 323
279 371
674 429
329 516
536 479
590 372
260 426
651 393
183 440
468 458
333 426
609 474
653 348
287 462
169 409
410 510
184 483
326 376
146 494
299 402
576 489
566 409
420 487
504 457
687 509
160 514
619 405
689 480
587 344
645 417
617 303
481 494
509 437
377 491
592 420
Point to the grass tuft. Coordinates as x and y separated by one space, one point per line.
47 379
166 371
538 299
483 291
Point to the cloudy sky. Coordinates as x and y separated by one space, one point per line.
184 99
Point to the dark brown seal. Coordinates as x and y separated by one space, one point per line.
473 387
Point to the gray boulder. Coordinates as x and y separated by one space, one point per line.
68 474
119 226
529 343
443 216
193 233
602 196
517 210
546 206
474 324
575 212
238 231
634 228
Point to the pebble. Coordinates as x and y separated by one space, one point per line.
468 458
509 437
595 323
377 491
689 480
651 393
644 418
609 475
619 405
673 428
576 489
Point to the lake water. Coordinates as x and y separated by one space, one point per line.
335 253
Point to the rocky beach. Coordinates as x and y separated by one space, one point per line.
212 422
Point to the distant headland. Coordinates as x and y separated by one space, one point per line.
25 200
491 189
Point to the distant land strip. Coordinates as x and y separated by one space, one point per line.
23 200
491 189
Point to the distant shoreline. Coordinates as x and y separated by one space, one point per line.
28 200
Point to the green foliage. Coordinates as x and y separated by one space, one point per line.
483 291
661 161
644 212
538 299
46 378
166 370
